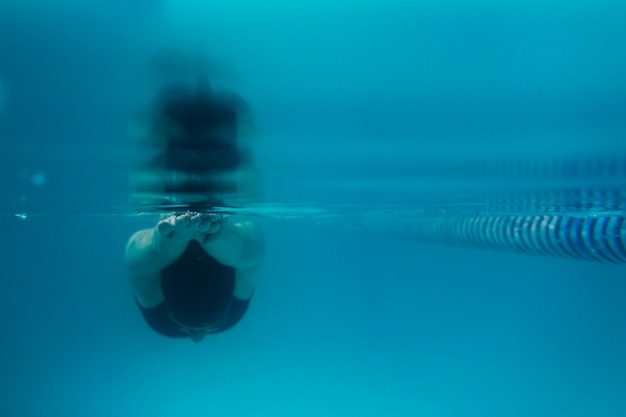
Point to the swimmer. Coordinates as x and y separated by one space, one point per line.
194 274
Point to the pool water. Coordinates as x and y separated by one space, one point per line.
441 188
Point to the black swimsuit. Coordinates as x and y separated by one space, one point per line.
196 261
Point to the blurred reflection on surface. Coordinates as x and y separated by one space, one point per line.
195 158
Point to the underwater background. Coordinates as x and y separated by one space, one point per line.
371 119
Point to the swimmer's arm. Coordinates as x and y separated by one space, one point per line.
150 250
241 245
142 255
144 262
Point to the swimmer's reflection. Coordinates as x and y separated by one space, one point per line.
199 156
194 273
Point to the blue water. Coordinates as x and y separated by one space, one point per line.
376 125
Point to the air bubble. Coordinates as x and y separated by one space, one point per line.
39 179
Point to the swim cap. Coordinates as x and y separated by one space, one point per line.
197 289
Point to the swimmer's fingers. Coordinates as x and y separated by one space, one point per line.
166 227
209 228
210 217
201 226
195 219
205 226
183 226
191 224
209 233
188 219
183 220
209 220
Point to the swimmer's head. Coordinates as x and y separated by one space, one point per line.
195 299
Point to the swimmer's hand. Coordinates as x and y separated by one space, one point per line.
173 234
182 227
209 227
